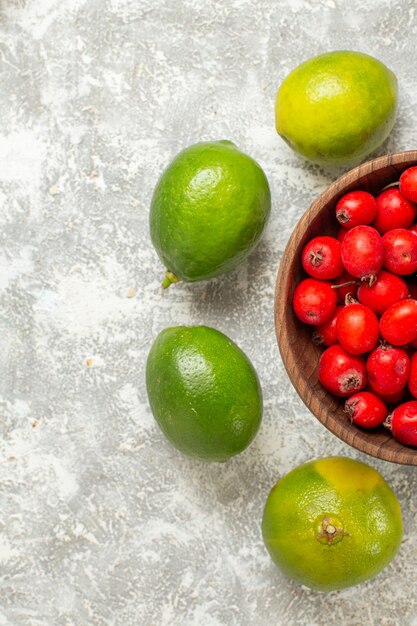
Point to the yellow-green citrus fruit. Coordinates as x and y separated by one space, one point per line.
336 108
208 211
332 523
203 391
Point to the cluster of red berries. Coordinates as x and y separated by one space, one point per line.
361 298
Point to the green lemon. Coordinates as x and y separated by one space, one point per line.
332 523
203 391
208 211
336 108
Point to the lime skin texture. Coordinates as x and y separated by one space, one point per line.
332 523
337 108
203 391
208 211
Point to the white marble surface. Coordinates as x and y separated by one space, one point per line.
101 521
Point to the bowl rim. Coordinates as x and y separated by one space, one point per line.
358 438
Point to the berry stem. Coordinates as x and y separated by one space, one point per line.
387 422
369 279
394 184
349 409
317 339
349 299
316 258
349 282
342 217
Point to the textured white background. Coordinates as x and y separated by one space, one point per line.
101 521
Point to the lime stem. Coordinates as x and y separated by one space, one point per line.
169 279
330 531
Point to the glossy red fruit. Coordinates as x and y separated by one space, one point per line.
366 409
363 253
412 288
341 234
355 208
398 325
321 258
400 251
403 423
342 374
393 211
357 328
388 369
413 228
412 345
408 184
386 290
394 398
412 379
326 334
346 284
314 301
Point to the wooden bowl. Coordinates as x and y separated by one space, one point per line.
299 354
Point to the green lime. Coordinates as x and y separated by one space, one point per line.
208 211
332 523
336 108
203 391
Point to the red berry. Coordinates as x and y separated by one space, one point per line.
357 328
366 409
408 184
321 258
412 379
341 373
325 334
398 325
388 369
363 253
341 234
400 251
413 344
394 398
403 423
356 207
386 290
394 211
314 301
346 284
412 289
